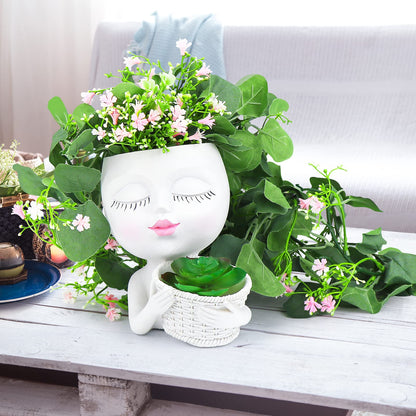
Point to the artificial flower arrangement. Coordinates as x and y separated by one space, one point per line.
274 229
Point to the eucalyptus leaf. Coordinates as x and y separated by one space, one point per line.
226 91
80 245
275 141
245 158
254 95
83 141
120 90
80 112
29 181
58 110
71 178
278 106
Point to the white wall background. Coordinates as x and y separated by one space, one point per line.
45 45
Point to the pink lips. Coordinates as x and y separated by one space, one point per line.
164 227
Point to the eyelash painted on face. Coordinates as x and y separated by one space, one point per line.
130 205
192 198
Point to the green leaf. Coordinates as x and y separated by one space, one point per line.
278 106
58 111
400 267
80 112
70 178
363 298
275 195
79 246
295 305
223 126
58 137
120 90
226 91
227 245
80 143
114 273
360 202
372 242
29 181
275 141
245 158
264 281
254 95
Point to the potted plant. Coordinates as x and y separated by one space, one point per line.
209 305
273 229
11 192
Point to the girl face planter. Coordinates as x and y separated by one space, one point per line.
161 206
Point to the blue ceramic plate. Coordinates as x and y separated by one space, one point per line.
40 278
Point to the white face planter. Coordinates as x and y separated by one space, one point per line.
166 205
162 206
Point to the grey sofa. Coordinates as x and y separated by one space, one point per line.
352 96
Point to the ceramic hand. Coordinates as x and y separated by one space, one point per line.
227 316
160 302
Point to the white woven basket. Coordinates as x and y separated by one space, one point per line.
181 320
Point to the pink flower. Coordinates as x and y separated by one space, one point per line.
208 121
328 304
108 99
130 61
111 244
138 105
286 286
217 106
183 45
204 71
179 100
311 305
18 210
115 114
312 203
198 136
316 205
110 298
320 267
180 125
177 112
121 133
87 97
139 121
99 132
154 116
304 203
113 314
81 222
69 297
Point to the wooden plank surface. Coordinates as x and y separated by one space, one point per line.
353 360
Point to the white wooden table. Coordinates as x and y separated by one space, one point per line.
353 360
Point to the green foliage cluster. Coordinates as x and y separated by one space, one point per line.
205 276
267 233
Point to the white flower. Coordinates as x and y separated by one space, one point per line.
35 211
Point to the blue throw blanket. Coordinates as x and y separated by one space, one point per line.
156 39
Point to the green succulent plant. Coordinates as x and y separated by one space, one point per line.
205 276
